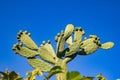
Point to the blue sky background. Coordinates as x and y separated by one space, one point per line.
45 18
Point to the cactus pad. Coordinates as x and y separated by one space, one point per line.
90 45
78 33
46 52
68 30
69 40
39 64
24 37
72 49
107 45
23 51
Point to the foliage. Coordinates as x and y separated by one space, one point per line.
31 75
74 76
10 75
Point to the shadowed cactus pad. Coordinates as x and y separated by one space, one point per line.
72 49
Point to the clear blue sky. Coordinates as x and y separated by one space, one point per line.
45 18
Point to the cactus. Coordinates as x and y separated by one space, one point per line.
26 47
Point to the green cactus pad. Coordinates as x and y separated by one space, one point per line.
88 41
24 37
107 45
72 49
69 40
23 51
60 44
89 46
47 53
78 33
50 49
39 64
68 31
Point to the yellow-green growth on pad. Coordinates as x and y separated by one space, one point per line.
32 74
46 52
89 46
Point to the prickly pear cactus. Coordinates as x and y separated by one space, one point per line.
72 36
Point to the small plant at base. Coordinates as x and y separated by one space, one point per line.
10 75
